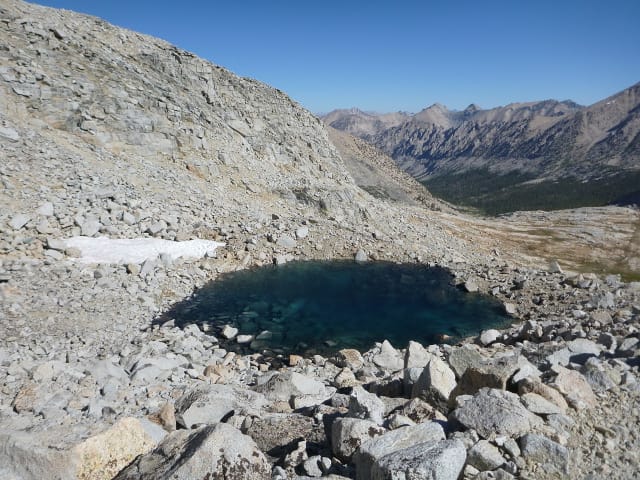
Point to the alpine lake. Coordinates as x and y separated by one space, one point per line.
319 307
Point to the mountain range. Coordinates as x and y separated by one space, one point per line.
547 154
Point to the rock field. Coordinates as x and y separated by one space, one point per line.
106 132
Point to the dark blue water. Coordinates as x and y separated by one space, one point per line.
320 307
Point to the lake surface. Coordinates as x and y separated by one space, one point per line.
321 307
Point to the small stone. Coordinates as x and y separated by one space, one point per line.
9 133
244 339
90 228
388 358
510 308
554 267
46 209
286 241
365 405
294 360
347 434
313 466
156 228
416 356
133 269
471 286
493 412
302 232
128 218
229 332
350 358
539 405
361 256
552 457
485 456
489 336
344 379
19 221
435 384
575 388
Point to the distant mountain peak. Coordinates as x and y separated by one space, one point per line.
472 108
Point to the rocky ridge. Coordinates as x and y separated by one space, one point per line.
521 143
91 388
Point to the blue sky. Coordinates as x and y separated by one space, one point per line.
402 55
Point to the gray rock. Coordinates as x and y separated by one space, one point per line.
463 357
103 370
315 466
510 308
575 388
273 433
416 356
599 376
244 339
347 434
388 358
345 379
302 232
208 404
471 286
361 256
286 241
157 227
488 337
128 218
213 451
493 412
540 405
229 332
90 228
435 384
628 346
526 371
582 349
485 456
46 209
56 244
554 267
561 357
365 405
420 411
22 457
442 460
349 358
490 373
552 457
19 221
293 387
604 300
394 441
9 134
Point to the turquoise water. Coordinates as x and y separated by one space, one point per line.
320 307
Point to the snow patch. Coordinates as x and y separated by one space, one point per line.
138 250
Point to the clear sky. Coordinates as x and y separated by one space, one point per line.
402 55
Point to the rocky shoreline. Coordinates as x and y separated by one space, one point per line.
94 386
542 399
